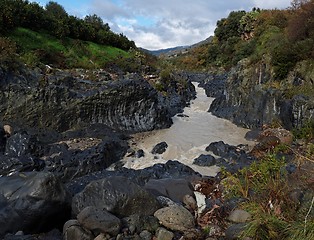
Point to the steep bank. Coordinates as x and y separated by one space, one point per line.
61 101
253 98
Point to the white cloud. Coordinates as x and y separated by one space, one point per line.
176 22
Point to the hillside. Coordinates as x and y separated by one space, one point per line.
35 35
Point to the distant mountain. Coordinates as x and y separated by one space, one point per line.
173 52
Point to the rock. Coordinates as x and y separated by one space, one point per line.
33 202
139 153
146 235
234 231
283 135
164 234
73 230
239 216
117 195
99 221
101 237
140 223
175 218
160 148
8 130
205 160
175 189
190 203
171 169
296 196
22 144
127 104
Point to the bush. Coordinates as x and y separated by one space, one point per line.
8 56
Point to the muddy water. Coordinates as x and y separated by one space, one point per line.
188 137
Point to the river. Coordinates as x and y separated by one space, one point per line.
188 137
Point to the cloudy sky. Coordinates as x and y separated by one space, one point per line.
156 24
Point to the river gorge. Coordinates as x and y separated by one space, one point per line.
188 137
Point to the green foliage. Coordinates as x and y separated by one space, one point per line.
35 48
265 227
305 132
229 27
53 19
298 231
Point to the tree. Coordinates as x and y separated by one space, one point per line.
229 27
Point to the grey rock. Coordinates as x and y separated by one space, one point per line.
117 195
239 216
146 235
160 148
73 230
175 189
234 231
137 223
99 221
32 200
175 218
164 234
205 160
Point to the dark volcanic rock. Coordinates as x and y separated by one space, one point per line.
171 169
175 189
205 160
249 102
160 148
99 221
131 105
117 195
233 158
34 202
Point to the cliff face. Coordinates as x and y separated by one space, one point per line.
252 98
61 101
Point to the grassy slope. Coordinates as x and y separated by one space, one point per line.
37 47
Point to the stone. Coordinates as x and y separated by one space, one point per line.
175 189
32 201
117 195
190 203
239 216
139 153
205 160
146 235
137 223
164 234
160 148
73 230
200 201
8 130
99 221
234 231
175 218
284 136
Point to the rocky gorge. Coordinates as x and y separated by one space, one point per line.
60 133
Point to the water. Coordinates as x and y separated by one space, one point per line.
188 137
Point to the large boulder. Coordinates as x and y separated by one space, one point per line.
176 218
32 202
117 195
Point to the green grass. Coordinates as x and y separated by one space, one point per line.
35 48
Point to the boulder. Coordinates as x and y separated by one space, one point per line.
160 148
34 202
239 216
117 195
175 189
164 234
176 218
205 160
99 221
73 230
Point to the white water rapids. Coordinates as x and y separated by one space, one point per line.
188 137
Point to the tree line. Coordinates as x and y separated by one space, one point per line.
54 20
